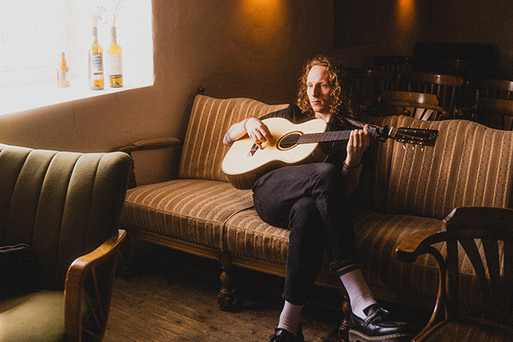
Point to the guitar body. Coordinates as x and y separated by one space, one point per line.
244 163
293 144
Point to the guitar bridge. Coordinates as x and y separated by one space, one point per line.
253 150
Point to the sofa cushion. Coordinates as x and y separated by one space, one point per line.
192 210
246 234
38 316
203 150
377 236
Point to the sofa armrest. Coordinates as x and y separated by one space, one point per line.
151 144
147 145
99 282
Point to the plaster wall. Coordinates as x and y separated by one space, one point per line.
250 48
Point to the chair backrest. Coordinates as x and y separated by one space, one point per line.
445 87
203 150
62 204
496 113
369 84
480 242
492 89
418 105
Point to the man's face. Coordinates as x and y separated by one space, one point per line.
318 89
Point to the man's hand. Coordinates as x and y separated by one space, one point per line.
257 131
359 141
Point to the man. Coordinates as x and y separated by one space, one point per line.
311 200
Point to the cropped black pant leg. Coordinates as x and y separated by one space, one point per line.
310 200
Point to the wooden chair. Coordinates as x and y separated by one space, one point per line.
495 113
491 89
59 216
485 237
369 84
485 88
446 88
418 105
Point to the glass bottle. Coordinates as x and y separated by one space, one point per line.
95 63
115 62
63 73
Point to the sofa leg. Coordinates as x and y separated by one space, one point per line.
226 296
341 334
343 330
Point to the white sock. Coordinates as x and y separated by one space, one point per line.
289 317
359 293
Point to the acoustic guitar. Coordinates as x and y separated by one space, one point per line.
293 144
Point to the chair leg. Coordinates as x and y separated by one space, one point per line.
226 296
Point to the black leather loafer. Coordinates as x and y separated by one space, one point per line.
282 335
378 327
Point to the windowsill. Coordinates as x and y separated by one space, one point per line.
26 97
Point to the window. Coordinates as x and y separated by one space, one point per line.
33 33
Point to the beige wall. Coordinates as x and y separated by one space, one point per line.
252 48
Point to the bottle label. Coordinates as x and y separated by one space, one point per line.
96 63
115 64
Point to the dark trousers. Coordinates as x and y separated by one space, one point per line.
310 200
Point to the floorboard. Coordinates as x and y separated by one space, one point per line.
171 296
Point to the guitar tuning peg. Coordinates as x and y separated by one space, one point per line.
404 145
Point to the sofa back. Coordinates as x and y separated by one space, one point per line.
470 165
203 150
62 204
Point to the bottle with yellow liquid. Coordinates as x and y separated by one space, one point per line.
63 73
95 63
115 62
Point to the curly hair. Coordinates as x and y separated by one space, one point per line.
339 81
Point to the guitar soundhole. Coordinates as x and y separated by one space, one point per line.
288 141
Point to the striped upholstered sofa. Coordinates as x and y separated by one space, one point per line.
405 190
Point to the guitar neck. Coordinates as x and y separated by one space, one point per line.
328 136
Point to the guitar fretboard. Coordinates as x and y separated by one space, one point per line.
327 136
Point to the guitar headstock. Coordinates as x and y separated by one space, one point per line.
414 136
405 135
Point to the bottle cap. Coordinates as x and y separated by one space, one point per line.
113 31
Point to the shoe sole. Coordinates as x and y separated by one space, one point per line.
355 336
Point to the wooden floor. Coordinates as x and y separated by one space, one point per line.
172 297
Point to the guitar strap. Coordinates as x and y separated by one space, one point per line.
358 123
376 132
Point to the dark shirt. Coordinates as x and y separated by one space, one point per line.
335 151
